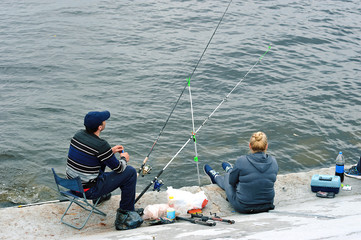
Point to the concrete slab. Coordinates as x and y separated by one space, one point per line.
336 218
299 214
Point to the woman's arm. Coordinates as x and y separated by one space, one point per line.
233 177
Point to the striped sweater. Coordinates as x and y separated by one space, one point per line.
88 154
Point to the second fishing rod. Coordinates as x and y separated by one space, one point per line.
156 181
145 169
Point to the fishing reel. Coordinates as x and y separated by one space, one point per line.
145 170
157 185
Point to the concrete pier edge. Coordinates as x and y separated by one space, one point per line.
299 214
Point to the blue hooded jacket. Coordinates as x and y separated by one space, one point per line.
254 176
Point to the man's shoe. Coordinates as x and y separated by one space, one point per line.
353 172
210 172
227 166
103 198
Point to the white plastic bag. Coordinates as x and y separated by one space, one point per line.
184 201
155 211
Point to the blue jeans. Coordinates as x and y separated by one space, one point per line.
107 182
223 182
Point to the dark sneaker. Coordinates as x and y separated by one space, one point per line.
103 198
353 172
210 172
227 166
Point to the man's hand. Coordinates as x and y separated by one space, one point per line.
126 155
117 148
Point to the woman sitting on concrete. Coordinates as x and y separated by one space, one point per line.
250 184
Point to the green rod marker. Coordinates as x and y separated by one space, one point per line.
269 47
196 159
189 81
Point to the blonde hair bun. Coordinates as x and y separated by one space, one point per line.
258 142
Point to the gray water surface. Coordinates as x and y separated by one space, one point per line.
61 59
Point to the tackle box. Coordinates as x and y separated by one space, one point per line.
325 183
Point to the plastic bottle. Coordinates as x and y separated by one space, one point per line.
170 213
171 201
171 210
340 169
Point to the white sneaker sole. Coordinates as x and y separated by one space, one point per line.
353 176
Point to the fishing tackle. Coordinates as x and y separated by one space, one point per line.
175 105
196 221
193 134
157 185
145 170
215 218
199 128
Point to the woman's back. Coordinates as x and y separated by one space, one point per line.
254 176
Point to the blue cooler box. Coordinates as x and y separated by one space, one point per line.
325 183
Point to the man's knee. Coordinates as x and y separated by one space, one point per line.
131 172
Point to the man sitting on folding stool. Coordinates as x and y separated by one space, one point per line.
89 155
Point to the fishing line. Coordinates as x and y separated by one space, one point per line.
193 134
175 105
155 180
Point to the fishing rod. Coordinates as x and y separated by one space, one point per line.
158 183
215 218
146 169
41 203
205 223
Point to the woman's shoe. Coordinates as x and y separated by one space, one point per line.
210 172
227 166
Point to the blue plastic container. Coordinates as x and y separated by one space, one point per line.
325 183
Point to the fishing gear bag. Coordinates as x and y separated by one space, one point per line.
126 219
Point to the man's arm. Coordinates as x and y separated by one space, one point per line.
108 158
